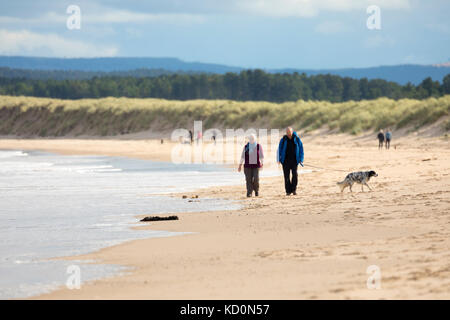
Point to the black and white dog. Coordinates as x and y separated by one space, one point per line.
361 177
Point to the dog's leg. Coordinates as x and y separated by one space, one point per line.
362 187
350 185
368 186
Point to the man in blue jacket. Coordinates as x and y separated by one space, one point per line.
290 154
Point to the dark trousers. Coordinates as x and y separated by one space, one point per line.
290 185
252 179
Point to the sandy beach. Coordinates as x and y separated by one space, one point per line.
316 245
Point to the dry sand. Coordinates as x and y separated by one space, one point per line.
316 245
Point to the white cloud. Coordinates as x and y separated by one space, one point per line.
25 42
103 15
311 8
49 17
194 12
124 16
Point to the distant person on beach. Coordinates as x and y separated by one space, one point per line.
199 136
380 139
191 136
290 154
214 136
388 139
252 158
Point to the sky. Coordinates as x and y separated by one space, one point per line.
307 34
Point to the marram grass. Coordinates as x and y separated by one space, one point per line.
110 116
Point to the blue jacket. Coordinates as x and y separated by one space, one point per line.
388 135
299 154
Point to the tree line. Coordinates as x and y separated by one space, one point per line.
248 85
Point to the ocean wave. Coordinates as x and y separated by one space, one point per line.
22 166
91 169
11 154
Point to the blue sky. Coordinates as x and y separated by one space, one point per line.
249 33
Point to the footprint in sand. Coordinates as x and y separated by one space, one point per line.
354 253
337 290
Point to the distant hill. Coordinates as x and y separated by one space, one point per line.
37 74
401 74
111 64
62 68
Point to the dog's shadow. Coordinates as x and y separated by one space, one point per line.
354 194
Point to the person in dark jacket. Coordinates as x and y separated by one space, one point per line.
191 136
388 138
252 158
290 154
380 137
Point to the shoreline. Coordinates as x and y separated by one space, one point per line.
315 245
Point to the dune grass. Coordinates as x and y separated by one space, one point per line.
111 116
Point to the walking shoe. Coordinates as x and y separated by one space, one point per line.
294 193
288 193
249 195
256 193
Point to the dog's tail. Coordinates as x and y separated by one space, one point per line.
342 185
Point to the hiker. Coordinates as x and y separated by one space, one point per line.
290 154
252 158
380 139
191 136
388 139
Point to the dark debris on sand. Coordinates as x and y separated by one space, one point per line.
156 218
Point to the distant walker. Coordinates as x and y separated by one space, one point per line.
380 137
388 138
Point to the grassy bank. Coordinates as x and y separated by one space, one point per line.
111 116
